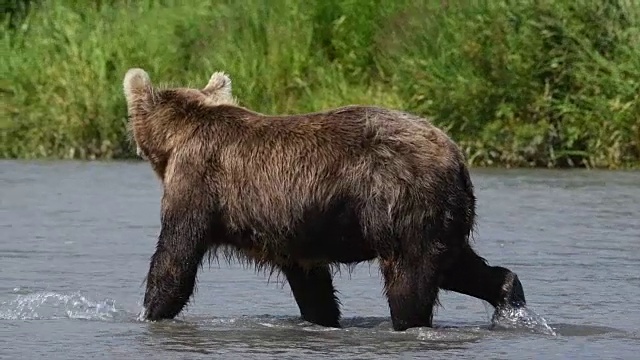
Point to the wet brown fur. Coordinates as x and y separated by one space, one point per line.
300 193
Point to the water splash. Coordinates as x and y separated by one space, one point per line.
521 318
51 305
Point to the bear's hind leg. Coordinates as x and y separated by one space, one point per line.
411 290
314 293
469 274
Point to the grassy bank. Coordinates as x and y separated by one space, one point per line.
516 83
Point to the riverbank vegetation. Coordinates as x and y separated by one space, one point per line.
517 83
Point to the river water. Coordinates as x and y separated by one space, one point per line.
76 237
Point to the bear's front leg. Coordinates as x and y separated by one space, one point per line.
314 293
174 265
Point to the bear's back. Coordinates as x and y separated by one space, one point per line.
274 167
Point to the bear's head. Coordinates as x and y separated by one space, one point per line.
153 126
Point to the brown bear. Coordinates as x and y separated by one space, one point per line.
218 92
303 193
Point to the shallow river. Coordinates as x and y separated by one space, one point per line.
75 240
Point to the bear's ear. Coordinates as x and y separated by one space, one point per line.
219 86
137 88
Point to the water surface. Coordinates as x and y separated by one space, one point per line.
75 240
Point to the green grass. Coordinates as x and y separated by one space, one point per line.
516 83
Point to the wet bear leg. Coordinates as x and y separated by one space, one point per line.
470 274
314 293
412 290
172 273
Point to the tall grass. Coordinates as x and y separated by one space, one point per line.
516 83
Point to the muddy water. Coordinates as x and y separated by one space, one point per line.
75 239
